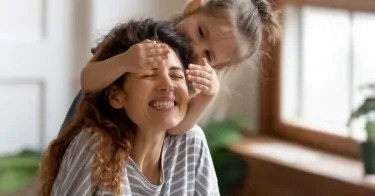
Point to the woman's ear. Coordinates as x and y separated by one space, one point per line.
116 98
192 6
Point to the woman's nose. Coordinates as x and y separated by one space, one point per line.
166 84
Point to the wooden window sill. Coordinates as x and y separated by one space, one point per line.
311 168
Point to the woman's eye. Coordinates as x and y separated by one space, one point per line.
177 76
147 76
200 32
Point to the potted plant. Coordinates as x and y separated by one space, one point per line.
230 169
367 109
18 170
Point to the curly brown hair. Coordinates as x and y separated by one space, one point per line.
95 114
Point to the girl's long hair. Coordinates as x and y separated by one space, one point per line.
116 131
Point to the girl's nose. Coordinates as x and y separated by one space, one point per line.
198 49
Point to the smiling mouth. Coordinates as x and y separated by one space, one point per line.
163 105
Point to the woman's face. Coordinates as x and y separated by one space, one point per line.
158 99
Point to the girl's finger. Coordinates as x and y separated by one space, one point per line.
200 87
148 41
157 51
148 45
153 65
200 67
165 46
199 80
158 58
199 73
205 62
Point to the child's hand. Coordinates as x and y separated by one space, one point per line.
203 78
145 56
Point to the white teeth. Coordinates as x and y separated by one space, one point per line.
163 104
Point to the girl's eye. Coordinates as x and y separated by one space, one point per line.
200 32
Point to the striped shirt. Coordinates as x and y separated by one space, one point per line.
186 167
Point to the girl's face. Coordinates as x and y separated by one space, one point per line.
210 37
158 99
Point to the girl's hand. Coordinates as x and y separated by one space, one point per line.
145 56
203 78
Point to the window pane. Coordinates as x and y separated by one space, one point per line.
290 64
327 56
325 67
364 61
316 63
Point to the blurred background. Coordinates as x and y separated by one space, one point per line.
279 126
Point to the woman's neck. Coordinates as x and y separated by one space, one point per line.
146 153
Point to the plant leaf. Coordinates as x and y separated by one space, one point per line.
222 133
370 128
367 106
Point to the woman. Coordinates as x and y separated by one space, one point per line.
118 143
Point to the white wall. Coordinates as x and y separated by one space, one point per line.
33 71
106 14
238 96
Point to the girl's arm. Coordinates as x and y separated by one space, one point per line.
98 74
195 111
139 58
204 79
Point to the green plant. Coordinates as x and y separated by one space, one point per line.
229 168
18 170
365 109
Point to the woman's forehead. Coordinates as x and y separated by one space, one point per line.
173 59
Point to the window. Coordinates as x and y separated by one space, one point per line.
325 56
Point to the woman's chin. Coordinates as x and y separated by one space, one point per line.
169 123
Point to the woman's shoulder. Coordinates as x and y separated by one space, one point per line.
86 141
196 133
75 169
194 137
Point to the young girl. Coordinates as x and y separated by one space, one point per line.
221 33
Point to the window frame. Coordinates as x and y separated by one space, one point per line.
270 96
